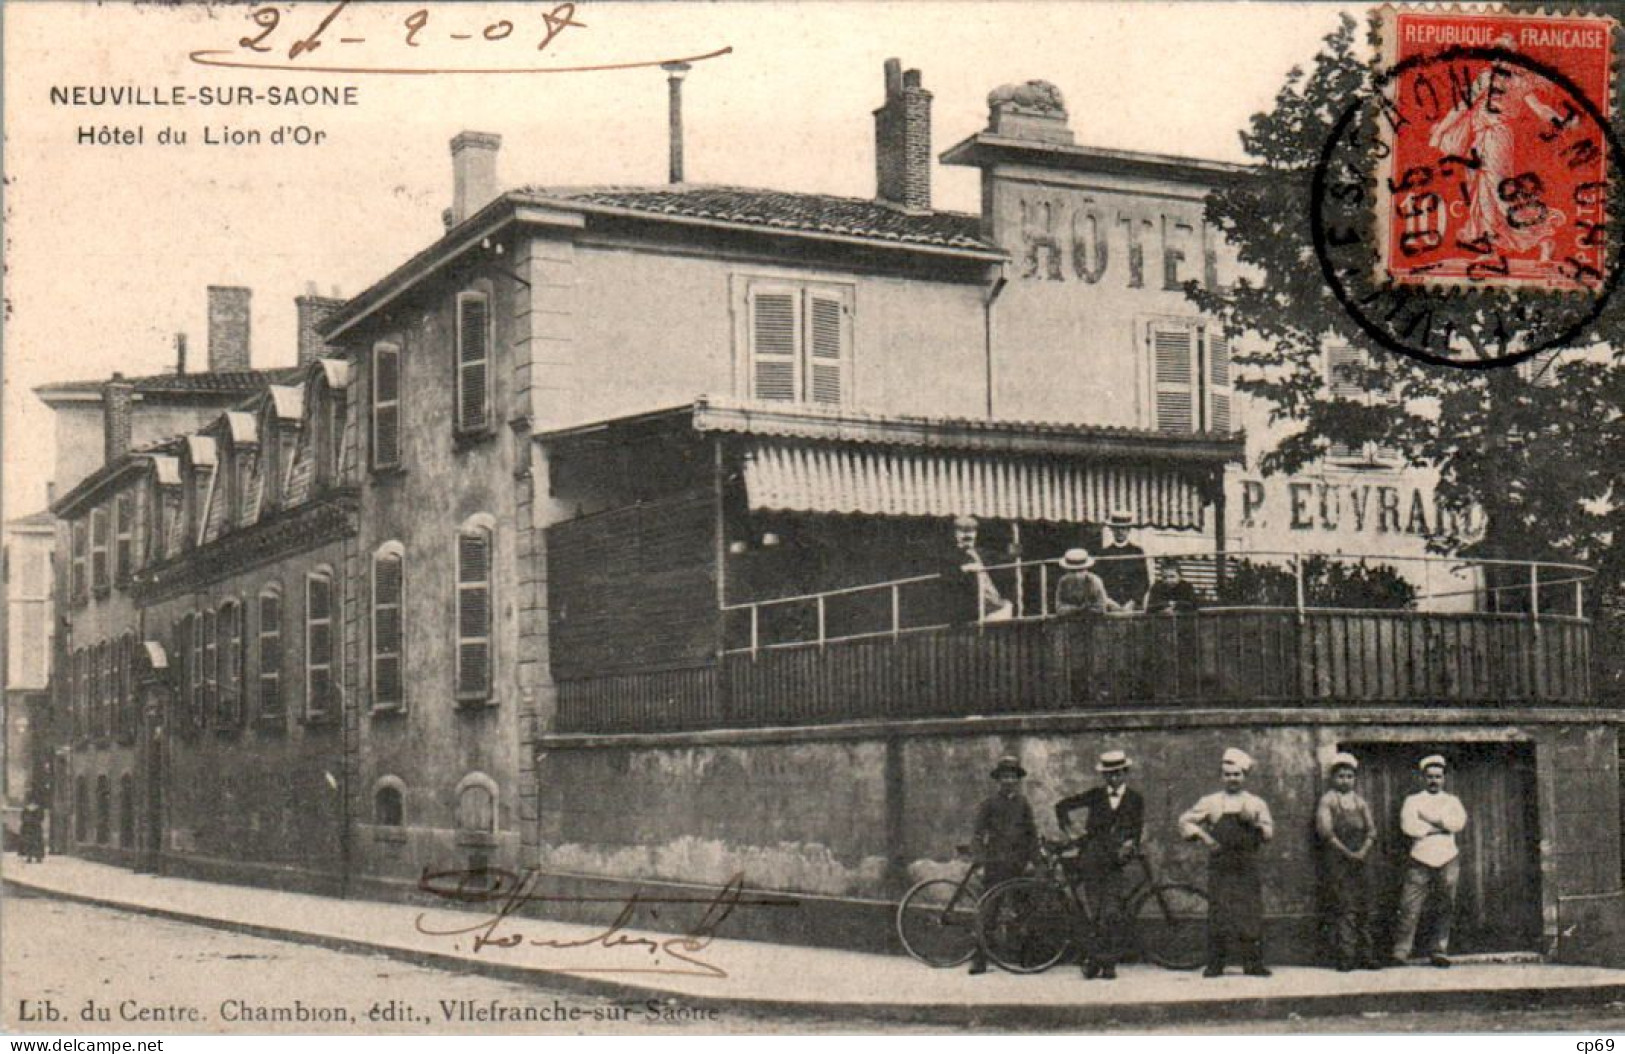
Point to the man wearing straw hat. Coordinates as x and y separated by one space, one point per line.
1079 591
1113 819
1431 818
1122 567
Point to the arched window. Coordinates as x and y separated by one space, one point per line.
229 674
320 620
270 650
473 362
388 630
104 810
474 674
389 803
477 804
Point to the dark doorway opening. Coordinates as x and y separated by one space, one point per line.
1498 903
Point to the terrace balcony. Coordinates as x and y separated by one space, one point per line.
1461 633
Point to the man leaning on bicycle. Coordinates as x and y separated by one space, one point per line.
1107 836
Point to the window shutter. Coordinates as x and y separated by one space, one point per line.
386 630
318 644
1341 362
774 345
473 364
474 614
211 670
1218 373
1173 373
80 583
98 548
386 406
124 535
270 653
1341 380
231 665
827 344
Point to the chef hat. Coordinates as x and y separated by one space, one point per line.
1238 758
1431 760
1345 759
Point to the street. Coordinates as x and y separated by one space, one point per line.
141 975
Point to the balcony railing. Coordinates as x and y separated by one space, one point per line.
856 654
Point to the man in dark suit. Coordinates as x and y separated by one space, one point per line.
965 591
1121 564
1006 837
1113 819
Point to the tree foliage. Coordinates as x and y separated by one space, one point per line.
1537 450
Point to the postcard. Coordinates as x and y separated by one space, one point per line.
579 517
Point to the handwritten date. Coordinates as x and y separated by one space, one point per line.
416 29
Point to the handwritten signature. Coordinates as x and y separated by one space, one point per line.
263 48
510 891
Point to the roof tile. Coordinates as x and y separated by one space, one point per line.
786 210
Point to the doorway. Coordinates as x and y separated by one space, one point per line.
1498 904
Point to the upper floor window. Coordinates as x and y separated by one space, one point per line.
79 582
800 343
473 362
99 578
1190 376
270 641
474 610
388 587
386 406
320 603
1345 379
124 535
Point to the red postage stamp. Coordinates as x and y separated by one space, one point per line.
1497 166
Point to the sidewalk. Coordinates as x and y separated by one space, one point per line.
783 978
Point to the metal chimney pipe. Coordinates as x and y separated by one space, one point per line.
676 71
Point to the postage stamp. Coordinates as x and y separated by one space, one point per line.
1496 163
1465 204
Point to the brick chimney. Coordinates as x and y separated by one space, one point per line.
903 141
180 353
313 310
473 173
118 396
229 308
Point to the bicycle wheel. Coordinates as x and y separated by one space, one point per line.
1170 925
1025 924
936 922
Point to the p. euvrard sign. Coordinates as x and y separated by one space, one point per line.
1347 506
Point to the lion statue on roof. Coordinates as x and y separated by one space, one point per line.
1035 97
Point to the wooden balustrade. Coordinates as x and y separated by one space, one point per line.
1269 656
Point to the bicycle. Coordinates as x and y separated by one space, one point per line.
936 919
1029 924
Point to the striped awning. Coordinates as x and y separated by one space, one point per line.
891 482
